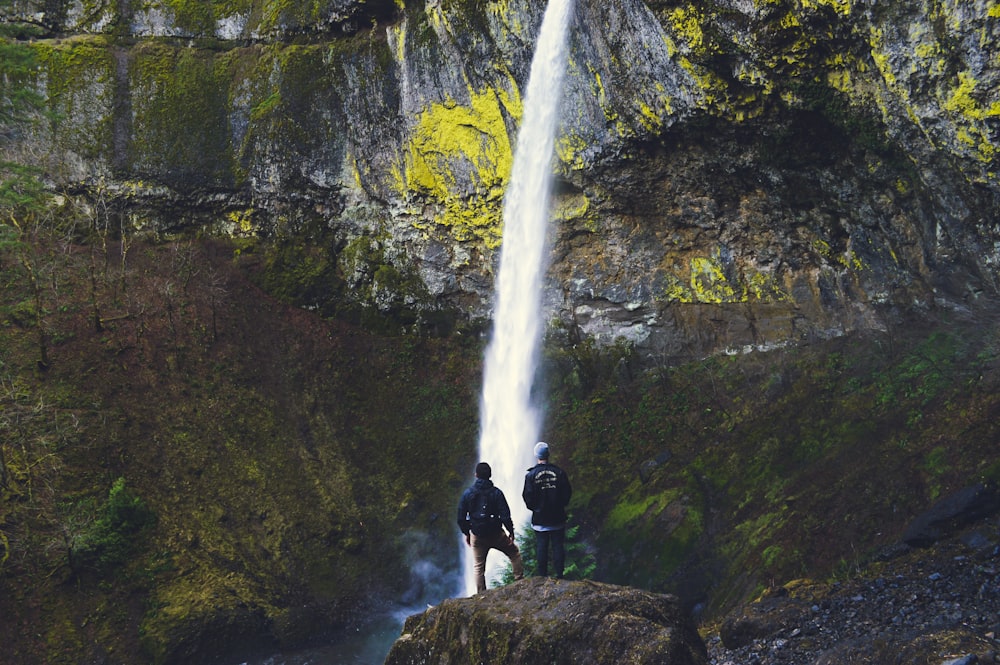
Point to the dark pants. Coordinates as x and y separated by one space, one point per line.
557 540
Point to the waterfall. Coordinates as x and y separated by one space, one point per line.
509 422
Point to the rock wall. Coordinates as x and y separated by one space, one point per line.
732 174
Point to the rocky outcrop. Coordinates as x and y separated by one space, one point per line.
952 513
936 605
242 19
543 621
734 175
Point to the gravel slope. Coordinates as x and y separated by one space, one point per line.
931 605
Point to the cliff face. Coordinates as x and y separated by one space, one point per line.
732 173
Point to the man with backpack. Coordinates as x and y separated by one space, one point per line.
546 494
483 514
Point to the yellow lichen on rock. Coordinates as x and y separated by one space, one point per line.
881 57
576 208
686 23
460 156
962 100
971 114
569 150
511 18
652 117
706 282
240 222
842 7
611 114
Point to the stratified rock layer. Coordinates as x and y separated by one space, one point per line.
733 175
541 621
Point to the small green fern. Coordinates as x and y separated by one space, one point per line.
580 559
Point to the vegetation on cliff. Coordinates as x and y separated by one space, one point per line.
274 473
196 467
715 478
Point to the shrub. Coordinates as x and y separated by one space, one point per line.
107 542
580 560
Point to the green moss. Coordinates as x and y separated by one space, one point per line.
651 525
759 434
63 637
682 541
991 473
66 60
266 107
283 83
80 88
771 555
276 14
627 511
180 100
192 16
761 529
298 272
246 442
936 461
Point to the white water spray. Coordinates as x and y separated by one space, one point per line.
509 421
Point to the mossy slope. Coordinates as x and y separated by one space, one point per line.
721 477
291 465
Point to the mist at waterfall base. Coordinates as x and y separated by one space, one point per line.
369 640
509 420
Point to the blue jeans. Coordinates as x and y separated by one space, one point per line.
557 540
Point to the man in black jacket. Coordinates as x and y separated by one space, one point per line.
546 493
483 513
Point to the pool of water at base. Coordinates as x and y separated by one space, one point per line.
369 641
366 645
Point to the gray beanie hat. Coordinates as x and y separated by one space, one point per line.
541 450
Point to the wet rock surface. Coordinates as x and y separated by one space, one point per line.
774 172
546 621
935 605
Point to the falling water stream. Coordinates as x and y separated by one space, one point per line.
509 420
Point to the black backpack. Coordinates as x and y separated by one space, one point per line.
483 518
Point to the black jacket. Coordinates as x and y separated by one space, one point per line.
500 504
546 494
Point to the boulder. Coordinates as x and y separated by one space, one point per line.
947 516
647 468
552 622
